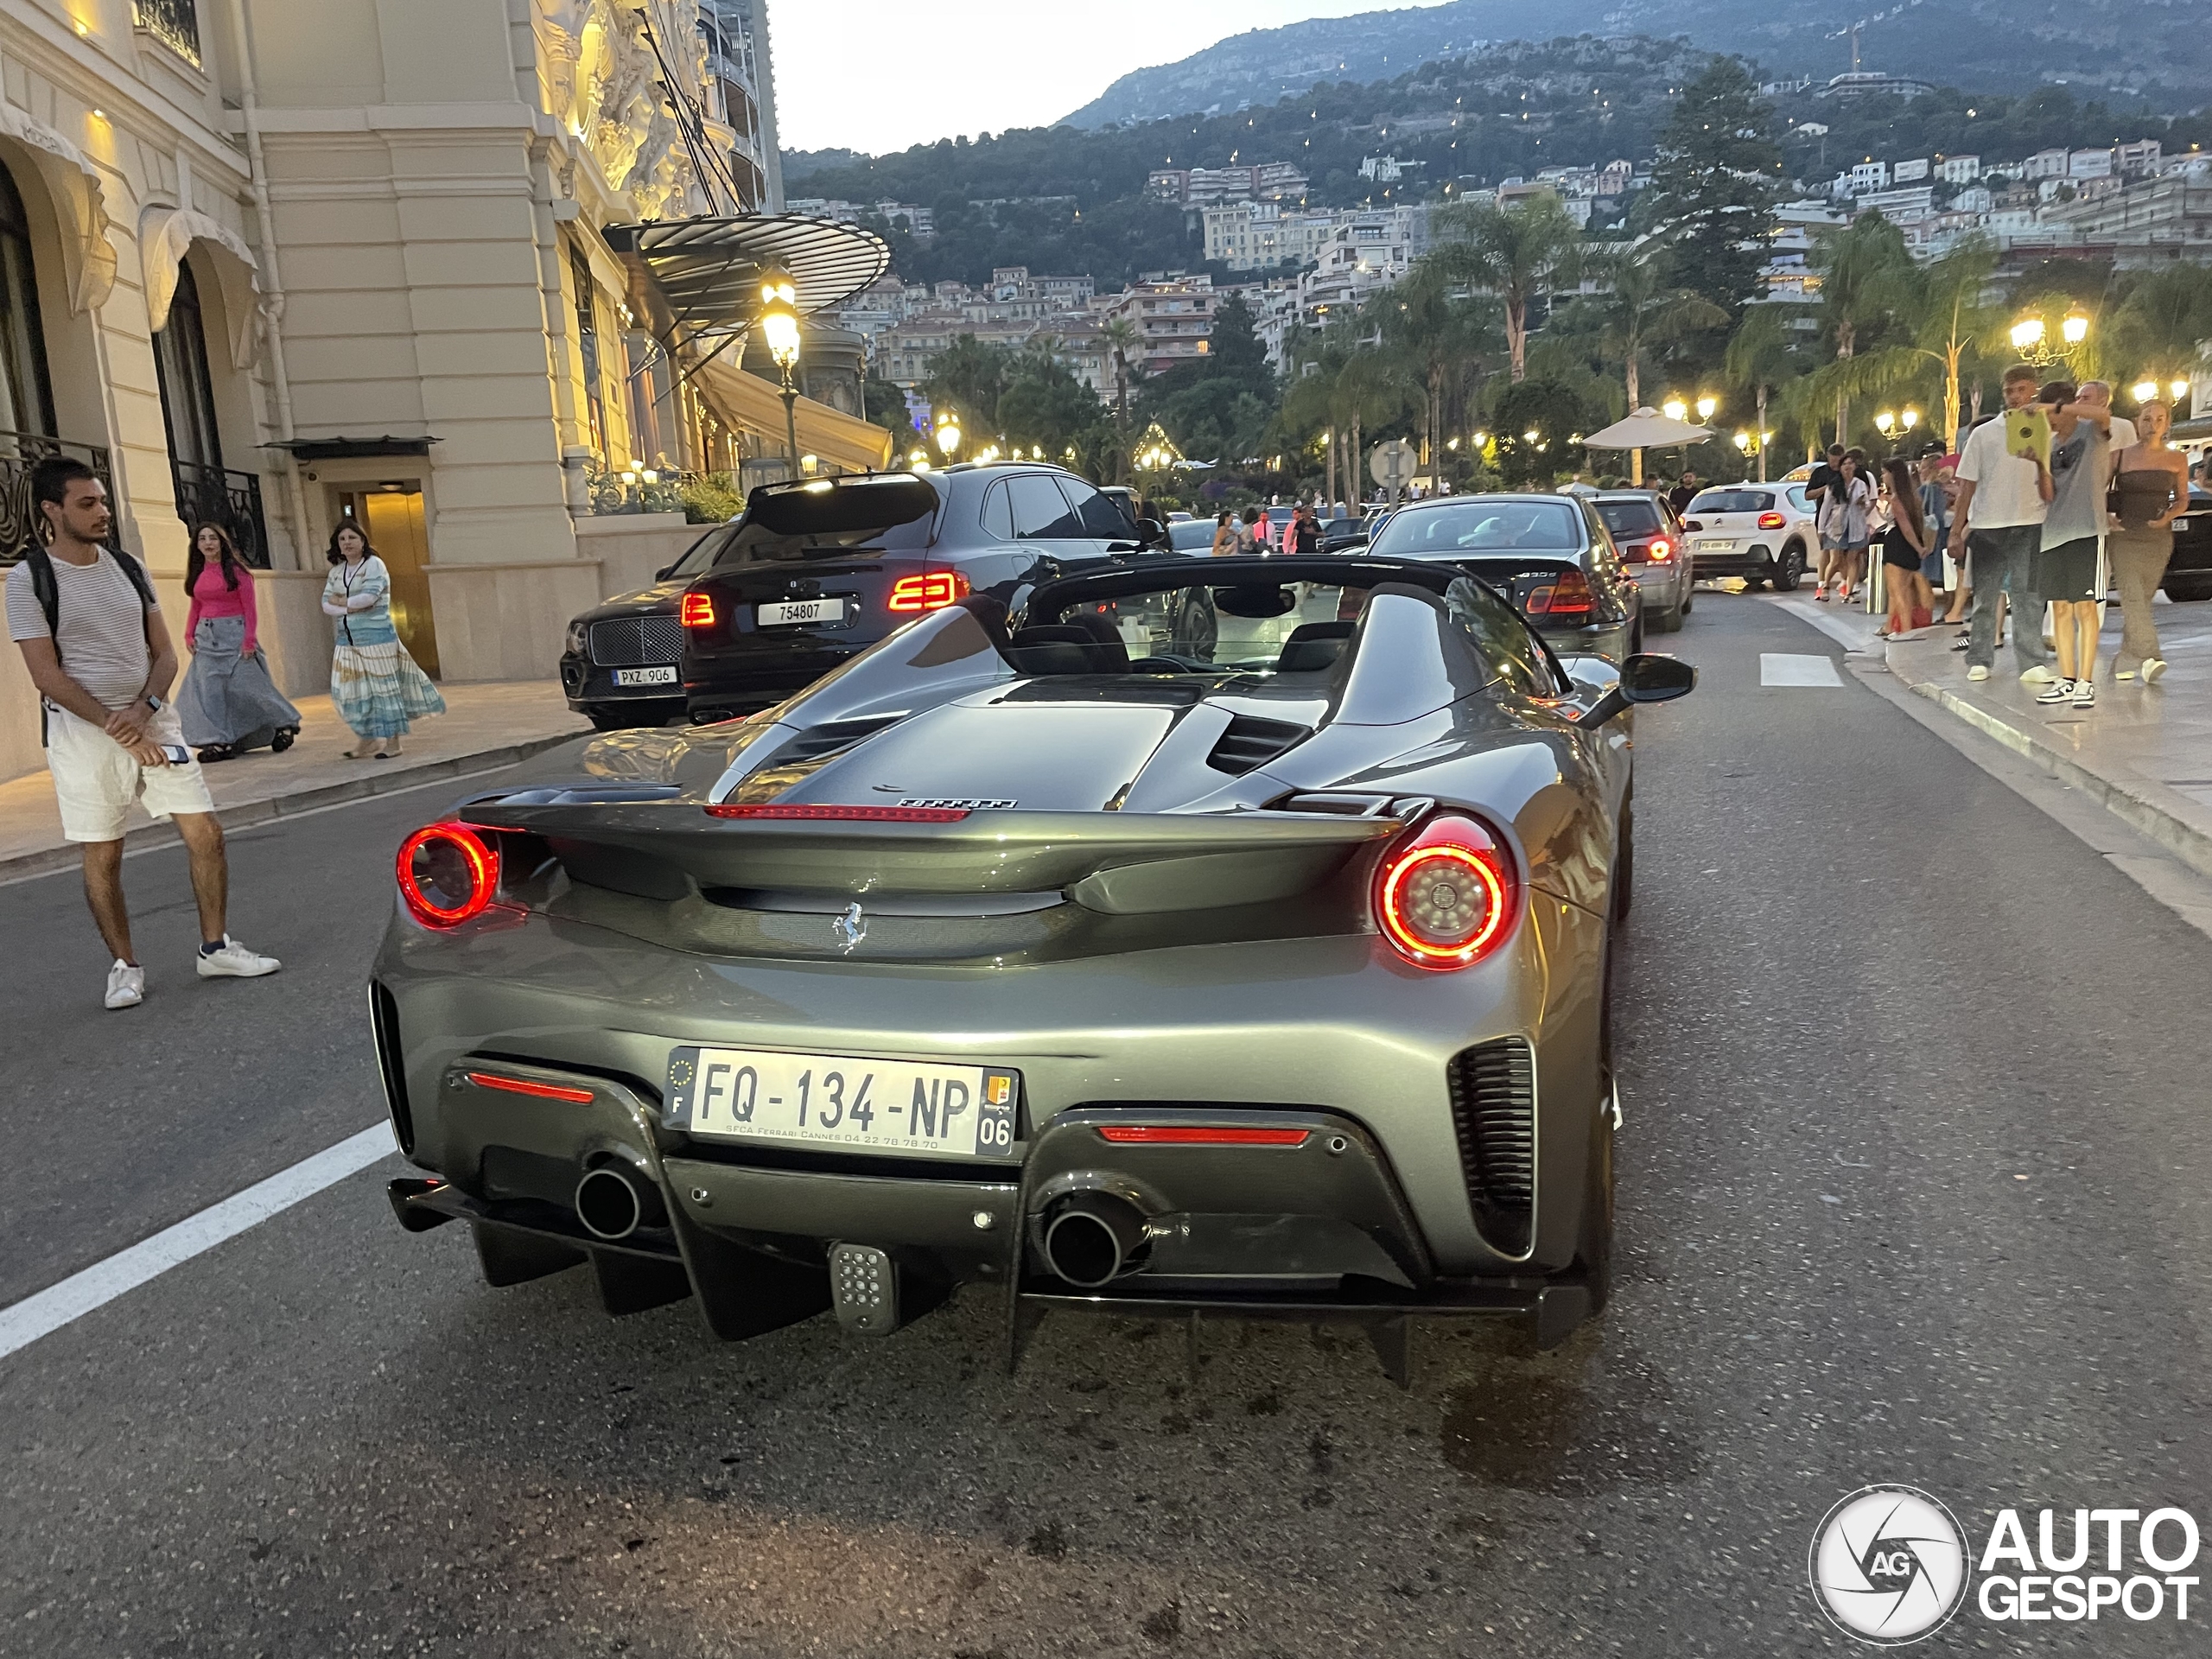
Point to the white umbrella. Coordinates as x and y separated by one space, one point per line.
1647 430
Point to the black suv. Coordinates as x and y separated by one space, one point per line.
815 572
620 665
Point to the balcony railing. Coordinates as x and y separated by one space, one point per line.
174 23
21 525
210 495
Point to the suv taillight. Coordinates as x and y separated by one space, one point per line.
697 611
932 591
448 873
1566 597
1445 896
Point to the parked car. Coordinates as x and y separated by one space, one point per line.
1649 533
815 572
1344 535
1551 554
1762 532
619 666
2189 574
1189 535
1271 980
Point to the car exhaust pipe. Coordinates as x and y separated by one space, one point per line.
1093 1238
613 1202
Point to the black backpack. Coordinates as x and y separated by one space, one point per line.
48 591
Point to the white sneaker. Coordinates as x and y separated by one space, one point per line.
2085 693
126 985
1977 672
234 961
2038 676
2152 667
2056 691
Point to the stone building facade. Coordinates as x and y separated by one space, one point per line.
286 263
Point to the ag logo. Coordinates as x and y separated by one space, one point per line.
1889 1565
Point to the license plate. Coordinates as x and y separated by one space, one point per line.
1716 547
895 1107
786 612
664 675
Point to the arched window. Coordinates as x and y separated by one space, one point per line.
188 388
25 393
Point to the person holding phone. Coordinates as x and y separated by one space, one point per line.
99 654
2003 498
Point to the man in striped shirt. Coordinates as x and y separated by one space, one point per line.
100 655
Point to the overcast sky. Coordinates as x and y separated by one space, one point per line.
873 76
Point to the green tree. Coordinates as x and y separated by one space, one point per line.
1643 309
1554 415
971 375
2157 328
1515 253
1044 405
886 404
1123 340
1716 173
1762 355
1866 278
1438 333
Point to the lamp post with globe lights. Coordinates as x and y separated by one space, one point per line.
779 320
947 434
2031 338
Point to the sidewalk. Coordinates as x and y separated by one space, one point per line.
489 724
2145 752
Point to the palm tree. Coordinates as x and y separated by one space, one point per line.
1123 339
1865 273
1642 310
1513 252
1437 333
2158 328
1761 356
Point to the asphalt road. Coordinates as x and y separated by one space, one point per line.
1911 1189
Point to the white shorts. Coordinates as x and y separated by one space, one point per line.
95 780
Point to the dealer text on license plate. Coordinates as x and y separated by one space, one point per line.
896 1106
662 675
786 612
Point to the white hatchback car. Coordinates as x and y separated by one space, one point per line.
1762 532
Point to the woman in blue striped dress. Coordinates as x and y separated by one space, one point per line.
374 684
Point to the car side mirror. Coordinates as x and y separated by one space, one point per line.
663 573
1647 677
1151 533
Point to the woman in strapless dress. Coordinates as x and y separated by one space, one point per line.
2153 484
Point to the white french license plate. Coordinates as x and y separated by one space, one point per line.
896 1106
664 675
799 610
1716 547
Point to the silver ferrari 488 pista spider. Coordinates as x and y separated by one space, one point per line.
1207 935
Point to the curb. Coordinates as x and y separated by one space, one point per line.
2137 804
47 860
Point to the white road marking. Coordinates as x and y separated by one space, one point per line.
25 1322
1781 668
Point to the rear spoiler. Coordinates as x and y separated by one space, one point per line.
1119 862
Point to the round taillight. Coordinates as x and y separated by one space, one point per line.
447 874
1445 896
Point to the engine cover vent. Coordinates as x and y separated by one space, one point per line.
831 736
1250 742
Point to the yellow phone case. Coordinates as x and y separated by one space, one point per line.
2027 433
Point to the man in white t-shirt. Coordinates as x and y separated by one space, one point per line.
2002 501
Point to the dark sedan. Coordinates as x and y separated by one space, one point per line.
1551 554
814 573
2188 572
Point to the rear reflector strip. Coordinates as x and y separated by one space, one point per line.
524 1086
1184 1134
847 814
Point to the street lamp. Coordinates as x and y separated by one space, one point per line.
2075 327
1885 423
948 435
1706 405
1674 408
2027 336
779 320
1910 418
2144 390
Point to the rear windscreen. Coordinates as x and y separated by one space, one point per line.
829 516
1732 501
1480 524
1630 517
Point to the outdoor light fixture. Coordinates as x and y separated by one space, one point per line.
778 321
1910 417
1706 405
2180 389
1449 443
650 476
2027 335
1744 442
1885 423
2075 327
948 437
1530 434
1481 439
1673 408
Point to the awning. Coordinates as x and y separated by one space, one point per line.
87 256
164 235
708 270
749 403
1647 430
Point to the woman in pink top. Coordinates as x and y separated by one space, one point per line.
228 704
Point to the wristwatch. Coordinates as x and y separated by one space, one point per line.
154 703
